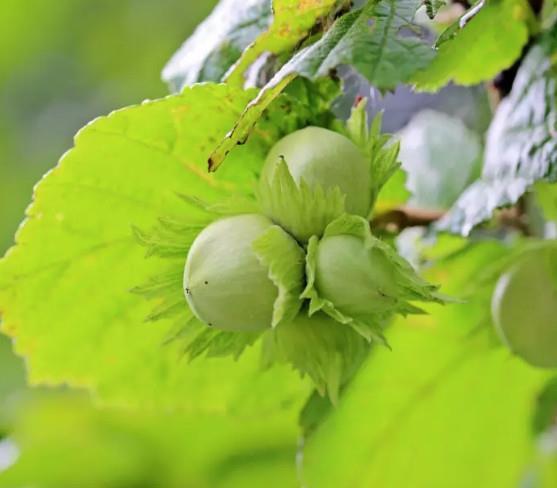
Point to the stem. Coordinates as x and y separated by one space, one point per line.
395 220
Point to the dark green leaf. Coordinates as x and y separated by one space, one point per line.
380 40
521 145
488 43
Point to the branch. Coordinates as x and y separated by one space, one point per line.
395 220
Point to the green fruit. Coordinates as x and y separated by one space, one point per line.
359 281
322 157
225 283
524 308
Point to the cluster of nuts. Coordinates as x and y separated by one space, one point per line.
309 262
309 269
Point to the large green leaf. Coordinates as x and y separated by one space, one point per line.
379 40
433 411
64 442
521 146
488 43
65 287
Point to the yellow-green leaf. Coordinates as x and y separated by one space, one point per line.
65 286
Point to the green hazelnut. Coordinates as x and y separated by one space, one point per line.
359 281
524 308
323 157
225 283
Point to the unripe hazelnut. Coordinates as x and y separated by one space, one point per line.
360 280
326 158
226 284
524 308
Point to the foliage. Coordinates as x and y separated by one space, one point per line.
431 399
371 38
163 140
91 293
520 146
218 42
477 52
237 33
59 71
